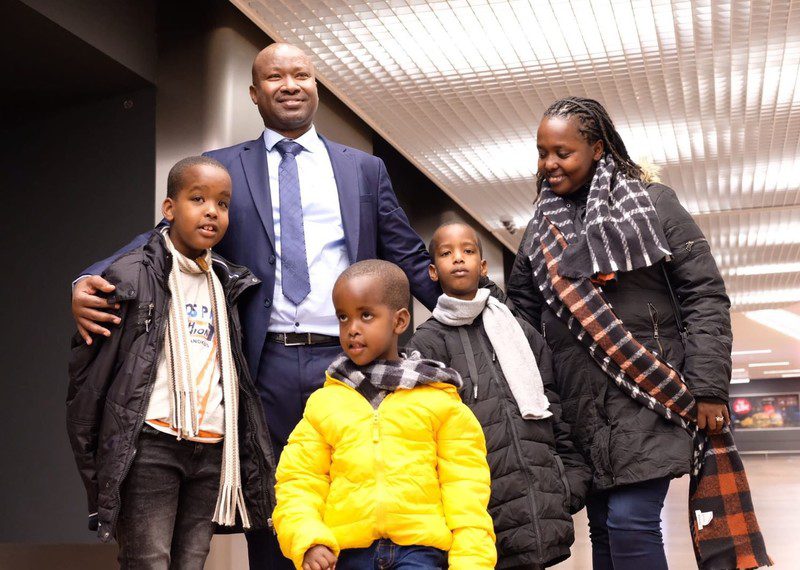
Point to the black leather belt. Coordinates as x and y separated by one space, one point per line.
302 339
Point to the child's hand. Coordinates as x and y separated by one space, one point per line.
319 557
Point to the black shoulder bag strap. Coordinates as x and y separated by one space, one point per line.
473 368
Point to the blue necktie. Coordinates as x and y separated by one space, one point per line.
294 266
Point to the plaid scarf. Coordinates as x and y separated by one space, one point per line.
622 231
377 379
723 524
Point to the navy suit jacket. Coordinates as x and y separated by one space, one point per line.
375 227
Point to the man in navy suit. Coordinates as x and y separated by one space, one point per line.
303 209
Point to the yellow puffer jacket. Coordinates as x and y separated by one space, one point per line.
413 471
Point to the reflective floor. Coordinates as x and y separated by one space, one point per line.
775 485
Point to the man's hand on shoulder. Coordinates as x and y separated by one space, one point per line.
319 557
89 309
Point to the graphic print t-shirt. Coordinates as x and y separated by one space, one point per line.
204 366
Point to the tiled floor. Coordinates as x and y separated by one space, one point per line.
775 484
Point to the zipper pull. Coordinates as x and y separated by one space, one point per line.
544 331
474 391
494 357
149 319
689 245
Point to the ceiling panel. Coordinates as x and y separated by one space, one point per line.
709 92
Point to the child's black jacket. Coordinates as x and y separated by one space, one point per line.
112 379
538 477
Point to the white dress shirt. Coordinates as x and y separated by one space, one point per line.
326 252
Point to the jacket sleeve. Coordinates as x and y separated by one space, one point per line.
704 304
430 345
523 294
303 482
465 484
577 471
91 370
99 267
400 244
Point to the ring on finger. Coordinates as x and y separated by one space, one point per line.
720 419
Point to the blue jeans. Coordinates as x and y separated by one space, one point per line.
625 527
384 554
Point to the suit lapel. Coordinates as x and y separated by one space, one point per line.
254 162
346 176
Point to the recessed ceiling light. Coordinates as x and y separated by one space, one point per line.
764 364
789 375
744 380
766 297
759 351
793 371
768 268
785 322
735 370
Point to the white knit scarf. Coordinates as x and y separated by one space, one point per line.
510 345
181 379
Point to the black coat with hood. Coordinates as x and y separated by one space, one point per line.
623 441
111 381
538 477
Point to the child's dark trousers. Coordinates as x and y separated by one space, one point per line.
167 503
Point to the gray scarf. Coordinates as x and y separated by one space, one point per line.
509 343
377 379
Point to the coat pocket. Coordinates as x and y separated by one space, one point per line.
562 473
600 452
689 249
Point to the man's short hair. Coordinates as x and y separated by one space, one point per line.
176 173
433 244
393 282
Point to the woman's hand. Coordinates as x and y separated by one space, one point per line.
712 416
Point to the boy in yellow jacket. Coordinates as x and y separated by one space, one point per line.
387 469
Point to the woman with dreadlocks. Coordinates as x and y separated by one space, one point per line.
621 282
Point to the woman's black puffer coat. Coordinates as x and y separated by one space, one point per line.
623 441
534 489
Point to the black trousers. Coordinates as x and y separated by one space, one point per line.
287 376
167 503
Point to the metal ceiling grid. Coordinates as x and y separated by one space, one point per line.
709 91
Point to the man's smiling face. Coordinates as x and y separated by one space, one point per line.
285 89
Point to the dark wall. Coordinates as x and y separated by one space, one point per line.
77 165
66 176
770 440
46 67
122 29
428 206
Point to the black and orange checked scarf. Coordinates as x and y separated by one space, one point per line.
723 524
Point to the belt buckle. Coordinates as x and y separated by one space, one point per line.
307 342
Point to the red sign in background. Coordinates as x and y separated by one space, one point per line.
742 406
